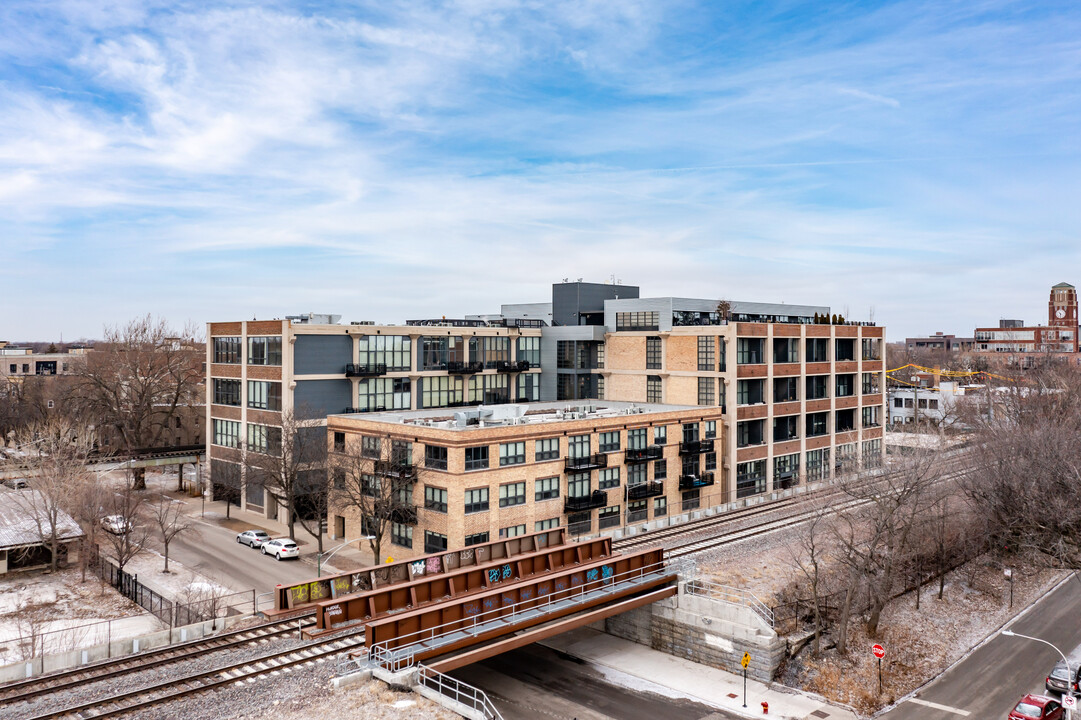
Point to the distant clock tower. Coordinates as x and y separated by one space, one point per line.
1062 306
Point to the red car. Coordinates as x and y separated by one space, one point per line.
1036 707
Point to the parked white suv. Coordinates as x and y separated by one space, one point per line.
280 548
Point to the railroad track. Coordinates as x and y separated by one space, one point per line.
762 528
24 690
134 701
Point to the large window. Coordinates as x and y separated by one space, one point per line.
817 424
226 392
437 352
845 350
578 446
528 387
608 517
440 391
489 389
707 353
653 353
870 416
265 350
512 494
609 441
529 349
609 478
869 383
785 471
394 351
476 458
512 453
434 542
227 433
401 535
750 351
263 395
846 385
750 432
786 350
435 498
542 525
785 389
565 354
547 449
435 457
872 453
265 439
374 394
872 349
512 531
785 428
546 489
750 392
817 350
818 464
706 394
370 447
636 439
750 478
660 435
653 389
817 387
476 539
476 500
578 485
489 350
636 474
637 321
227 350
660 469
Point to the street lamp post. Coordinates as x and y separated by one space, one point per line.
319 558
1069 675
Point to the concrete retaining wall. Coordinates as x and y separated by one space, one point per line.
115 649
704 631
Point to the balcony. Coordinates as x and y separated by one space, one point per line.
588 462
653 488
464 368
690 482
653 452
596 499
507 366
367 370
695 447
388 468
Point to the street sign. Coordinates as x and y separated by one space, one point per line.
1069 702
878 650
746 660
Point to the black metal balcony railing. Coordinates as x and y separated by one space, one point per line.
690 482
695 447
389 468
587 462
365 370
464 368
649 489
577 503
637 455
508 366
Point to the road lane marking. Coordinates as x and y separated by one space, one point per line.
936 706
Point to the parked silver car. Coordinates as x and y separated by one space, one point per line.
252 538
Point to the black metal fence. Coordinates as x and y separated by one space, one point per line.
129 586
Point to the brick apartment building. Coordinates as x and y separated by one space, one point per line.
516 469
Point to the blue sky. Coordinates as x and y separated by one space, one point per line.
221 160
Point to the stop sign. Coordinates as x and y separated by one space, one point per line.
879 651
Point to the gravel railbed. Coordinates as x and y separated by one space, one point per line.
135 680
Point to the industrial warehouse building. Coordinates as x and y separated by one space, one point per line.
794 393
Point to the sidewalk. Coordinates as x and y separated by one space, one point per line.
630 664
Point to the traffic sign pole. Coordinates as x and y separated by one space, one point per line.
745 661
879 652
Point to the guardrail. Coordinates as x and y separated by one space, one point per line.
458 691
730 595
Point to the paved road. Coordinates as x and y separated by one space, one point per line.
536 683
989 682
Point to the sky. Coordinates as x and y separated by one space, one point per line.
913 163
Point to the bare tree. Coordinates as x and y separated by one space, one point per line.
810 555
128 534
375 477
170 522
57 457
878 532
286 461
87 503
135 380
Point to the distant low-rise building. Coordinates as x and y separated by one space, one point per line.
940 341
1019 344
